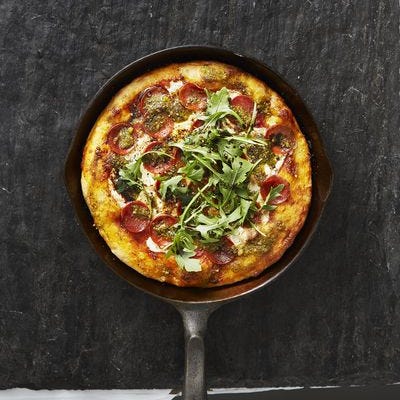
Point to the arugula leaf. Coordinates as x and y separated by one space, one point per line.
273 194
182 240
130 174
214 224
192 170
205 152
237 173
206 163
228 150
244 209
218 101
218 108
183 250
172 185
182 219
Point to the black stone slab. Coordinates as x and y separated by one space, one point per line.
67 322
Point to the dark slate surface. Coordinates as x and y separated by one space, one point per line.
67 322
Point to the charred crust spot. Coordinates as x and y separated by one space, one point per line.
190 278
99 153
113 161
215 274
152 255
115 111
238 86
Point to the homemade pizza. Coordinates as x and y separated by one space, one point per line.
197 174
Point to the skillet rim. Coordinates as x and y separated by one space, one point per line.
322 174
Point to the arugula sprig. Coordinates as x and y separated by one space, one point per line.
218 108
213 153
272 195
182 248
131 175
172 184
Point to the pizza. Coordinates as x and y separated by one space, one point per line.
197 174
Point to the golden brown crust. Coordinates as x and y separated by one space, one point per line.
284 224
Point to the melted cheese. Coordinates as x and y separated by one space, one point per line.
174 86
242 235
275 170
154 247
147 177
233 93
140 144
185 125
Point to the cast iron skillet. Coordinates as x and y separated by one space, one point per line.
195 304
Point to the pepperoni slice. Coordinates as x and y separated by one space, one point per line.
224 254
197 124
153 99
282 138
260 121
135 217
193 97
158 126
286 115
159 164
160 229
272 182
120 138
243 104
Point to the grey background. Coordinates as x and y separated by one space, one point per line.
66 321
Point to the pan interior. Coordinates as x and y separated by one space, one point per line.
321 172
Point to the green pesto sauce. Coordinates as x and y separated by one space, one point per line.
116 161
246 117
212 73
125 138
165 231
155 159
282 141
140 211
155 121
260 244
157 103
263 153
264 107
177 112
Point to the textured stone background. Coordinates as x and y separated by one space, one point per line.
66 321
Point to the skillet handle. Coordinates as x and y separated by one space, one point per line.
195 318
